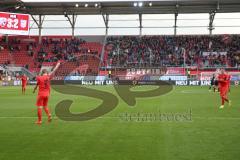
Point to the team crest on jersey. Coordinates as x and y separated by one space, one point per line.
3 21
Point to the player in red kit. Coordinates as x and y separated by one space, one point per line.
24 83
228 82
223 87
43 85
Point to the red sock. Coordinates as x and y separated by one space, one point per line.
226 99
39 114
47 111
223 101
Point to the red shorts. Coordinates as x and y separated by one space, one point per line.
42 101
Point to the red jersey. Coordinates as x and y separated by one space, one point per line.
24 80
228 79
222 80
44 85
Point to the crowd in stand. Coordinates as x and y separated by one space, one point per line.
144 51
50 50
203 51
63 49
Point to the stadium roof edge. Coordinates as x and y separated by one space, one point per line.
119 7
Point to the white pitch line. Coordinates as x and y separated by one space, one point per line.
16 117
217 118
114 117
193 91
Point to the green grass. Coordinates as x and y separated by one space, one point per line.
212 134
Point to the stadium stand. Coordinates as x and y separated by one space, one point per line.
25 52
121 51
153 51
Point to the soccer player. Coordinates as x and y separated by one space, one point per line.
228 81
134 82
218 71
213 83
43 83
24 83
223 87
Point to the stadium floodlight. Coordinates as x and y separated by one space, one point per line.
86 5
76 5
135 4
96 5
65 13
150 4
140 4
17 7
218 6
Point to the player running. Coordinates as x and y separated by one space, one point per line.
24 83
43 85
223 87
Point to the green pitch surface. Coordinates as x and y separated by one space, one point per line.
210 134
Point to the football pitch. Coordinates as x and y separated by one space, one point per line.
125 133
